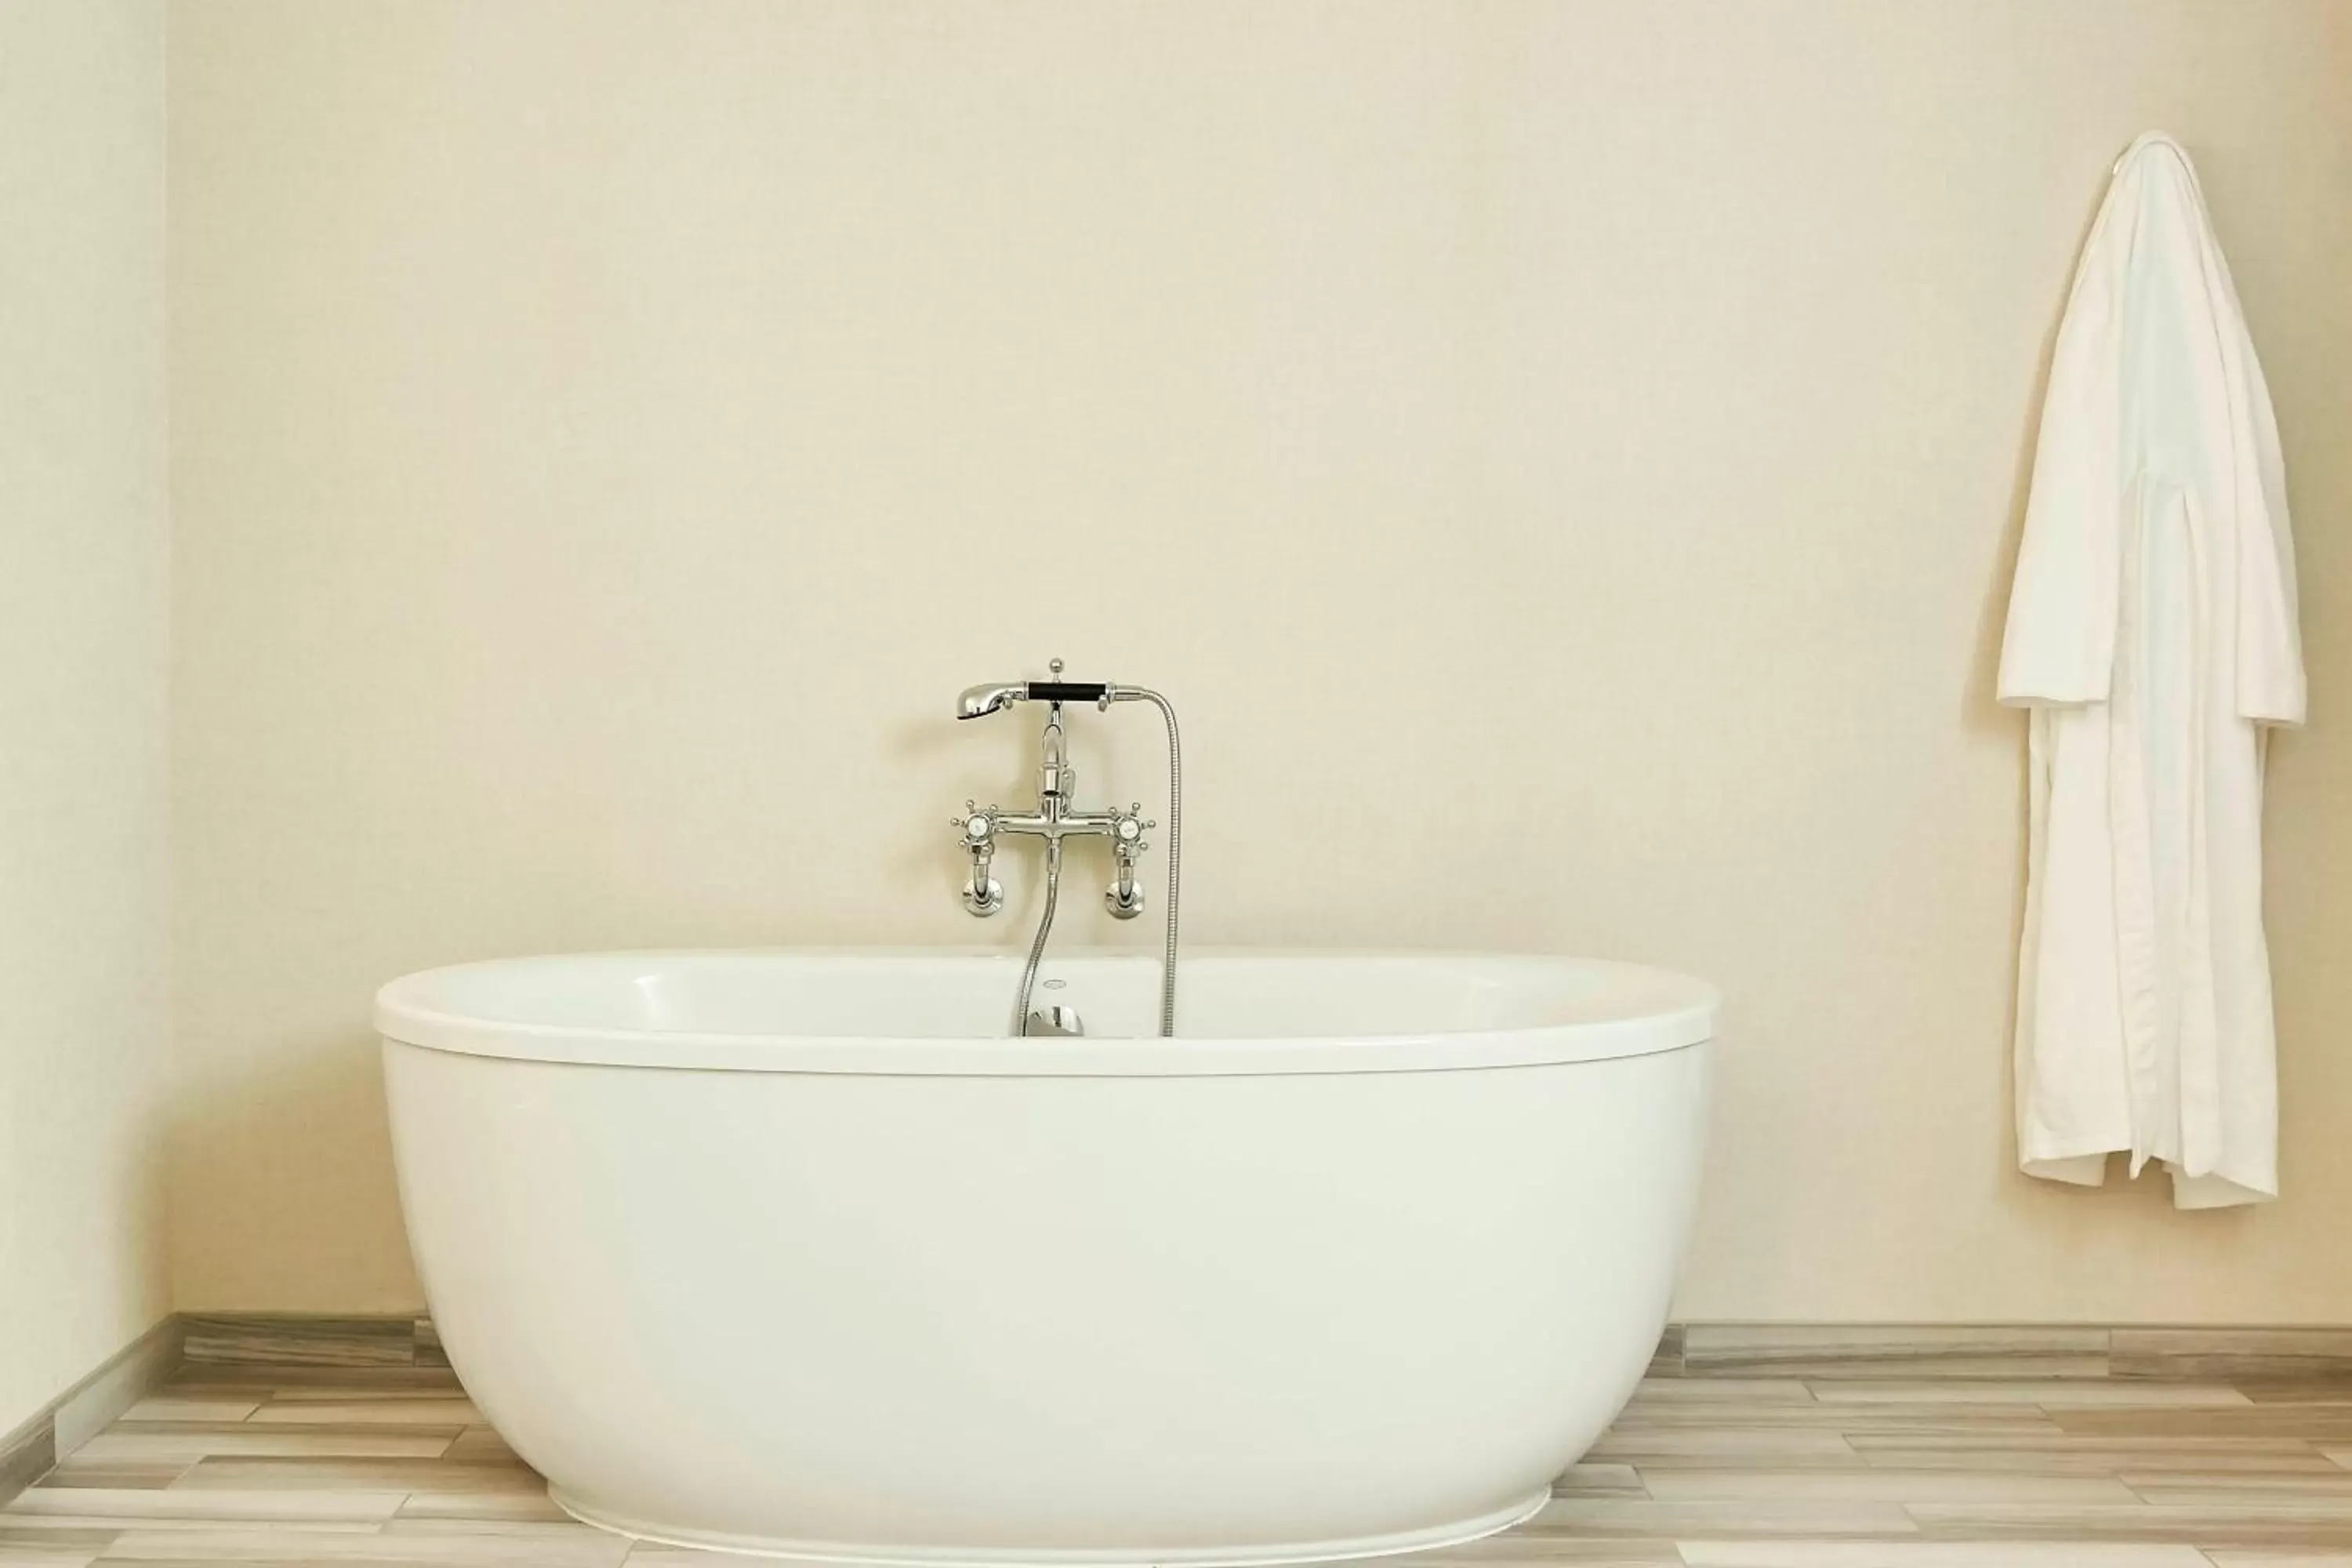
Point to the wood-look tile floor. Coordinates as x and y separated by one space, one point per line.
396 1469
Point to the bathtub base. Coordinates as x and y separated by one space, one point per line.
860 1554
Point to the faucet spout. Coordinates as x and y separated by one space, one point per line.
1057 780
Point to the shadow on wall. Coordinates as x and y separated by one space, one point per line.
1980 707
303 1120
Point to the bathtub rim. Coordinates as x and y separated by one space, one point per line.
1687 1020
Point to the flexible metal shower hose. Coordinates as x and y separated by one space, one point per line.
1175 848
1038 944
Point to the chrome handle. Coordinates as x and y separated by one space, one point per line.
1123 897
983 895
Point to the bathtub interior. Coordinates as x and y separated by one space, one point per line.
958 995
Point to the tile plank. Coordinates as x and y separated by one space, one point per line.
298 1472
1595 1478
344 1391
483 1505
2203 1488
2300 1391
56 1534
124 1527
162 1441
17 1555
1502 1550
2101 1456
1722 1391
561 1528
482 1445
372 1549
1937 1554
412 1412
283 1378
1620 1518
1894 1486
2053 1394
183 1407
2326 1425
80 1472
2238 1524
1781 1446
1850 1417
144 1505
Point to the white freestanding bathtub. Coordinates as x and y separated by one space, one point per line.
783 1252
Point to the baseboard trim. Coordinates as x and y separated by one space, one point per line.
81 1412
2006 1351
305 1340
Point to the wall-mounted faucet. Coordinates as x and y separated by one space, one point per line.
1054 821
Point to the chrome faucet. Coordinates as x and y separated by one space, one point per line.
1054 821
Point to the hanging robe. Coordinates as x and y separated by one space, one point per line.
2152 634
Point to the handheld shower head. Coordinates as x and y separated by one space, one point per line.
980 701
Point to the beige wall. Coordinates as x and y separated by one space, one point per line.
1564 459
85 1022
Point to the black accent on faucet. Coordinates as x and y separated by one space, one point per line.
1066 690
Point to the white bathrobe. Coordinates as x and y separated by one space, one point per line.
2152 632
